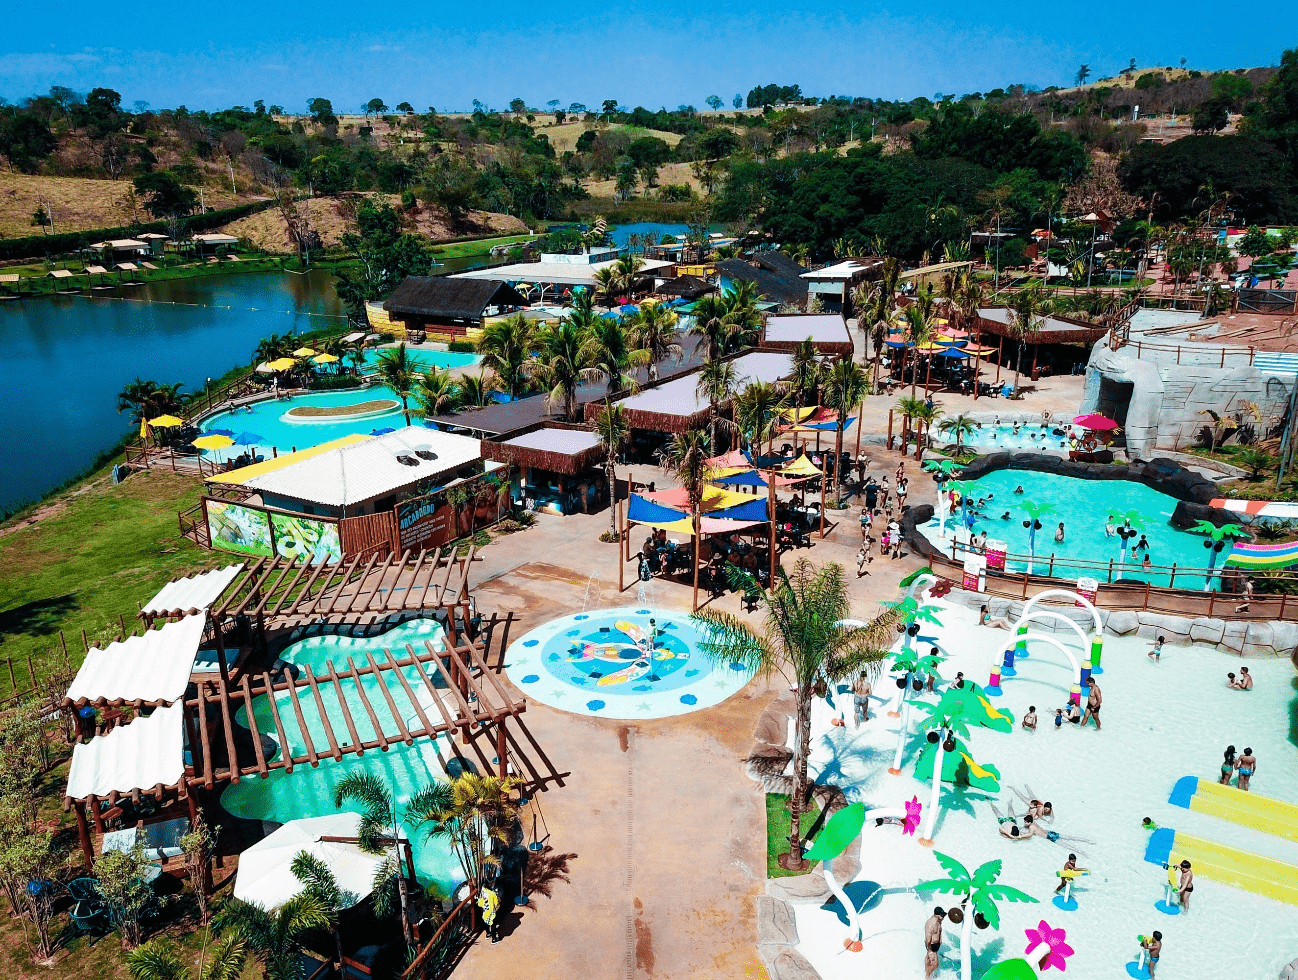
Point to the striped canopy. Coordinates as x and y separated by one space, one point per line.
1263 556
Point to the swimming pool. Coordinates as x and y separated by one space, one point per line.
428 359
1028 435
406 769
270 420
1101 784
1082 506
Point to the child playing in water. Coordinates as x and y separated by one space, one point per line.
1059 718
1156 651
1030 719
1154 947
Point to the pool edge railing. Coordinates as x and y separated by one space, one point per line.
451 937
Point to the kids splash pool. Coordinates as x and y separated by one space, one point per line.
404 768
631 662
427 360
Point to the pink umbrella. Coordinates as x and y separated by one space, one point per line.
1096 422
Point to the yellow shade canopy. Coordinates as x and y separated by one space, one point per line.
213 442
799 467
166 421
303 352
324 359
283 364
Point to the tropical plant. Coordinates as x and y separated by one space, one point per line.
436 392
845 386
161 959
198 846
758 408
1217 539
743 319
148 399
474 390
607 284
960 426
1035 512
717 381
613 430
875 303
1026 304
272 348
319 881
656 329
1275 530
506 349
376 833
978 893
1256 459
471 812
806 372
806 635
919 333
275 937
27 858
1222 425
398 370
564 359
126 895
614 356
1127 523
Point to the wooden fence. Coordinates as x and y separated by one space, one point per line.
440 954
369 534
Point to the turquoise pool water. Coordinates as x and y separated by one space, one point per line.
1028 436
309 792
427 359
1082 506
269 420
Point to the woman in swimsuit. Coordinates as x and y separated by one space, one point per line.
1227 765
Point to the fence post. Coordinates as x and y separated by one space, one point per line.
1146 595
1051 573
1110 571
1171 582
1025 585
31 669
1211 598
1283 597
13 681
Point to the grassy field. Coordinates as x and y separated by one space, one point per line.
777 831
481 246
87 557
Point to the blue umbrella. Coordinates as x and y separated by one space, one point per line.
220 432
382 432
248 439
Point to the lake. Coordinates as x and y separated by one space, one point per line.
67 357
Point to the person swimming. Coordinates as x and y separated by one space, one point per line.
1005 516
1018 489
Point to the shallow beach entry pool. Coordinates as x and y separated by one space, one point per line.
309 792
630 662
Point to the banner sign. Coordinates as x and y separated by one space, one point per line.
996 555
974 566
250 530
432 520
1087 588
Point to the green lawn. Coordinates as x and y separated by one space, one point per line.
100 551
459 250
777 831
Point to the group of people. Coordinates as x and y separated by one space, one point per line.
1241 767
878 506
1071 712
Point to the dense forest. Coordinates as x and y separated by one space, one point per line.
829 173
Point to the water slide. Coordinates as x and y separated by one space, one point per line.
1227 865
1228 803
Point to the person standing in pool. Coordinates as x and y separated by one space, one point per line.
1227 765
1066 875
1154 947
1030 719
1059 533
1109 530
1245 682
1093 702
933 940
1156 651
1247 767
1186 886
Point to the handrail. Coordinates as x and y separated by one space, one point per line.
424 954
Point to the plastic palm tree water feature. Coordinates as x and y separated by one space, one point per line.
915 669
1217 538
1035 512
942 470
837 836
978 894
1129 524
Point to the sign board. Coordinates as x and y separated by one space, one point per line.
975 567
1087 588
996 554
431 520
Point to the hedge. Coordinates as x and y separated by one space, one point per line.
43 246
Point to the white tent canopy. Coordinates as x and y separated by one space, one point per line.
146 754
265 870
192 594
150 669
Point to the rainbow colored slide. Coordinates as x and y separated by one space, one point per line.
1228 803
1228 865
1263 556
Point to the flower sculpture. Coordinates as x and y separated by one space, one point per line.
1057 951
911 822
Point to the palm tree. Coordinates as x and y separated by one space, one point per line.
272 348
805 375
625 269
148 399
606 284
613 430
874 305
947 751
709 316
805 635
377 834
1128 523
398 370
1026 305
685 458
919 333
914 669
910 408
845 386
959 426
757 412
978 896
475 390
614 356
506 348
470 811
161 959
275 937
742 316
436 392
1035 512
1216 543
717 383
564 359
656 329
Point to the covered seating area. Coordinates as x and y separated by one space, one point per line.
558 468
449 308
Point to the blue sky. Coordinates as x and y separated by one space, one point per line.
664 53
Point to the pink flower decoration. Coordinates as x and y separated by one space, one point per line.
911 823
1058 951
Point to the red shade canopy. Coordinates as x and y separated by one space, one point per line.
1095 421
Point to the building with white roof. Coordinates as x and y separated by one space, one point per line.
834 283
827 332
557 273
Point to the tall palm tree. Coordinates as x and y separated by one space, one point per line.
1035 512
1026 305
717 383
161 959
757 412
377 834
398 370
685 458
148 399
845 386
709 316
805 374
745 320
656 329
506 348
436 392
625 268
273 347
919 333
475 390
967 301
564 359
470 811
805 635
275 937
614 355
960 426
606 284
613 430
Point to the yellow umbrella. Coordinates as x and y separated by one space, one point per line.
283 364
324 359
166 421
303 352
213 442
144 428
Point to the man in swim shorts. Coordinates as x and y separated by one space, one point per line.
1030 719
1245 682
1093 702
861 698
1247 767
1154 947
1186 886
933 940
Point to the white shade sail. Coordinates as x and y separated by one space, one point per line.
192 594
149 669
146 754
265 870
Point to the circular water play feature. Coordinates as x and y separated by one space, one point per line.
629 662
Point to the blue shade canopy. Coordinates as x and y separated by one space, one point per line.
748 478
248 439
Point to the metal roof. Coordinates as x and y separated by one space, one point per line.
679 398
150 669
192 594
566 273
822 328
147 754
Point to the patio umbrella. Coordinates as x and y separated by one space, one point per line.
281 364
303 352
954 352
266 876
221 432
1095 421
324 359
213 442
166 422
265 367
248 439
